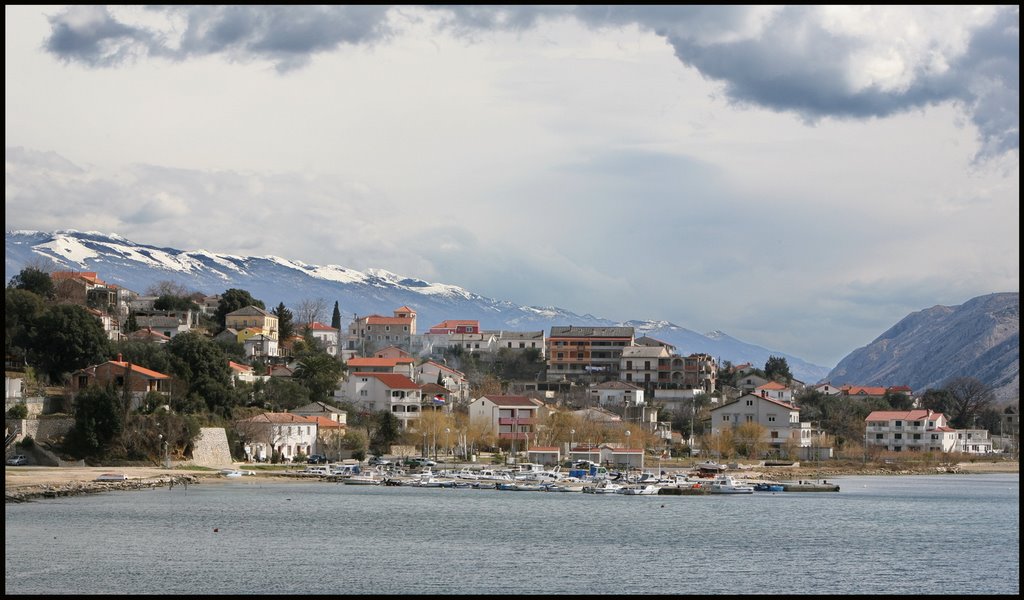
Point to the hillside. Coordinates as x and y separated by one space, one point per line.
979 338
376 291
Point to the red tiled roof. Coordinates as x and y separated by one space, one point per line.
511 400
378 362
138 369
280 418
905 415
392 380
544 449
325 422
238 367
318 326
772 385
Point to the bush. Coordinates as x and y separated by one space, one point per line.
18 411
28 442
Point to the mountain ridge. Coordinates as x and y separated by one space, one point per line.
274 279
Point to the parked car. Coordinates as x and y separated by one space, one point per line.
379 461
17 459
420 462
316 459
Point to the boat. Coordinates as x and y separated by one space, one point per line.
230 472
646 489
768 487
485 485
604 487
727 484
111 477
363 479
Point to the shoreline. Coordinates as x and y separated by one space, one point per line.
23 484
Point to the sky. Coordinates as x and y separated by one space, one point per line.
799 177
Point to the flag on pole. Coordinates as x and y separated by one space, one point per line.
439 399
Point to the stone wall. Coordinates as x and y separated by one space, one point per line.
211 448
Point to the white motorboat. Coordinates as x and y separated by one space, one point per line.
648 489
604 487
726 484
363 479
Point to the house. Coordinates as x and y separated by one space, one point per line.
749 382
322 409
375 331
863 392
253 316
241 372
775 391
384 391
149 336
401 365
586 353
169 323
276 370
511 418
436 397
544 455
520 341
287 434
110 324
451 379
256 344
645 365
598 414
780 420
827 388
622 457
139 381
391 352
617 393
973 441
917 430
326 335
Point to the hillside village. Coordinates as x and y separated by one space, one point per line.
96 371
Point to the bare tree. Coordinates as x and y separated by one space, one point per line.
168 288
970 397
309 310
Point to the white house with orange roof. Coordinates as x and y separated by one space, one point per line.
368 333
392 352
617 393
827 388
287 434
401 365
374 392
918 430
453 380
326 335
775 391
240 372
748 382
780 419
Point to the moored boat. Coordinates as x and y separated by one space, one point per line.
727 484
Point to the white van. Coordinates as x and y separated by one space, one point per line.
317 470
344 470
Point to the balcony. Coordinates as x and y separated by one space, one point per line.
517 421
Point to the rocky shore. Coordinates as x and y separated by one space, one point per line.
77 488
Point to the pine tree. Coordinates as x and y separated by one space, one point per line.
336 317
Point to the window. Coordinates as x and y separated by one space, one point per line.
899 423
725 417
917 436
935 436
898 436
750 402
771 418
879 436
521 344
363 393
775 435
750 418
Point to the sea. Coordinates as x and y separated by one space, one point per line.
937 534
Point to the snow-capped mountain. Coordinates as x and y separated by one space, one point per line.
273 280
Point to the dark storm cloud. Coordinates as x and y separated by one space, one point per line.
787 59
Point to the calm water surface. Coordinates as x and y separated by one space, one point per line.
953 534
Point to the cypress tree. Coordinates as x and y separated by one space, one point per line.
336 317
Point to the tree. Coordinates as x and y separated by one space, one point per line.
167 287
387 430
98 421
34 280
22 309
285 325
170 302
898 400
336 317
310 310
319 373
777 369
232 300
66 338
131 324
201 363
749 439
970 397
940 401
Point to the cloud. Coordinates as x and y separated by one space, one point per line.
814 61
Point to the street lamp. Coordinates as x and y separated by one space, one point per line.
446 432
627 448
